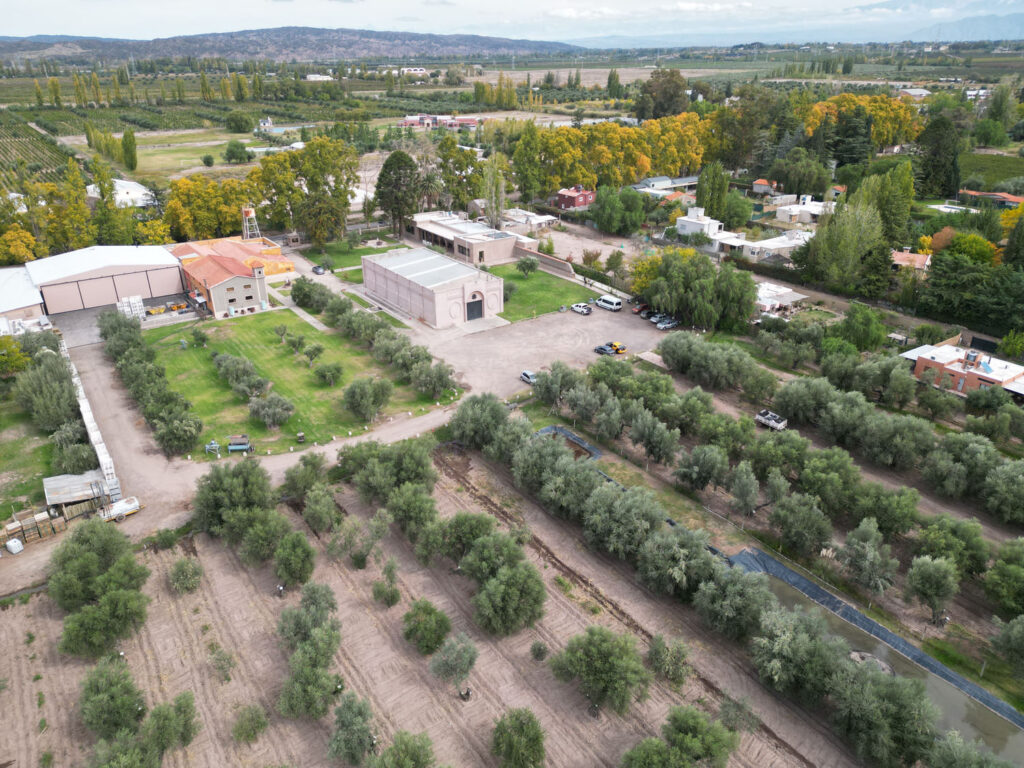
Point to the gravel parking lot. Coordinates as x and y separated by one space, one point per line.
490 361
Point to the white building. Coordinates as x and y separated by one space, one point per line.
696 222
773 298
315 78
783 245
805 211
435 289
127 194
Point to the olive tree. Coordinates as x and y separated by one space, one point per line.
109 701
352 737
518 740
511 599
934 581
454 660
425 626
608 666
868 559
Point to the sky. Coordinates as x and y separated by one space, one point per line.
796 20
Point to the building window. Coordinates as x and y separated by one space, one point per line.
231 290
247 287
248 298
463 251
481 257
231 301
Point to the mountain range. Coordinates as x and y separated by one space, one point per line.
279 43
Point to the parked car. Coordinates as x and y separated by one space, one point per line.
657 318
647 313
618 346
771 420
668 325
318 270
604 349
583 309
639 309
529 377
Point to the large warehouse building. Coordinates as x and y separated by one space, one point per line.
440 291
103 274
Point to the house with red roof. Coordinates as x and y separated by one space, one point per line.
907 259
998 199
227 286
763 187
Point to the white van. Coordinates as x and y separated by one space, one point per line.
609 302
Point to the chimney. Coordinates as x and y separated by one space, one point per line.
906 249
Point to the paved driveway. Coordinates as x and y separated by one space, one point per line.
490 361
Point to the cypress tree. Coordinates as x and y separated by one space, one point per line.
128 153
1014 252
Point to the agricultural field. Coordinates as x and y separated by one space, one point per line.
25 455
994 168
318 410
539 293
235 609
44 160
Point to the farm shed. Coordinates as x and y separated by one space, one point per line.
19 297
440 291
102 274
69 491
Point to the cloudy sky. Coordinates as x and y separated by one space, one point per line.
534 19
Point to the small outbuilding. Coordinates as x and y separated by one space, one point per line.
440 291
19 297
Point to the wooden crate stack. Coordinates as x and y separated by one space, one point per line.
29 529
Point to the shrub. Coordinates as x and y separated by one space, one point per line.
185 575
328 374
607 665
238 121
273 410
518 740
365 397
425 626
208 160
109 701
539 650
294 559
668 661
223 662
165 538
250 723
353 735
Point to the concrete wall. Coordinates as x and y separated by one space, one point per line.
24 313
233 295
441 307
101 287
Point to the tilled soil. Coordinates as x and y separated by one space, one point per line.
236 608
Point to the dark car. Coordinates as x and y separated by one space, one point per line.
655 319
646 313
318 270
604 349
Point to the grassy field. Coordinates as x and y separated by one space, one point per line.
994 168
351 275
318 410
25 456
342 257
539 293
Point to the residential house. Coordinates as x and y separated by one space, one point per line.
906 259
998 199
695 222
763 187
574 198
469 241
127 194
805 211
916 94
783 245
227 286
967 369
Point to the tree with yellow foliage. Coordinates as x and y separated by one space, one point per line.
17 246
69 223
153 232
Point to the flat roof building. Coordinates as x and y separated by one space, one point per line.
967 369
19 297
469 241
431 287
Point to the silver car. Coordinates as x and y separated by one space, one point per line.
529 377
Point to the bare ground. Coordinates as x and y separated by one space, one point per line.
236 609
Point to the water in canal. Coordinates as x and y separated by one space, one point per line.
958 711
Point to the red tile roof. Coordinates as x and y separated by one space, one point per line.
214 269
760 181
913 260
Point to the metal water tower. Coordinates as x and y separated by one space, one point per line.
250 227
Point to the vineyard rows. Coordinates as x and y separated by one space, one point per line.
44 160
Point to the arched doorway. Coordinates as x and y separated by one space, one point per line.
475 306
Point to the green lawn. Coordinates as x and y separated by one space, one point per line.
351 275
318 410
539 293
25 456
994 168
342 257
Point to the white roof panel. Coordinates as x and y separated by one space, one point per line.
17 289
66 266
424 267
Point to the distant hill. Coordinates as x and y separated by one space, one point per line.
280 43
1010 27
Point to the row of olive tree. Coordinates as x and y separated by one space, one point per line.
175 429
888 721
44 388
234 501
510 593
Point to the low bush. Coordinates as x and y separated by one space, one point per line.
425 626
250 723
185 575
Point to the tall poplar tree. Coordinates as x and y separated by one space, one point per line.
128 153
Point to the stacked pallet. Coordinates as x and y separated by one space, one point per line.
32 526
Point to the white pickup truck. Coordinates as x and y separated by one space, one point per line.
119 510
771 420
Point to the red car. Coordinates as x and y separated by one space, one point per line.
640 308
